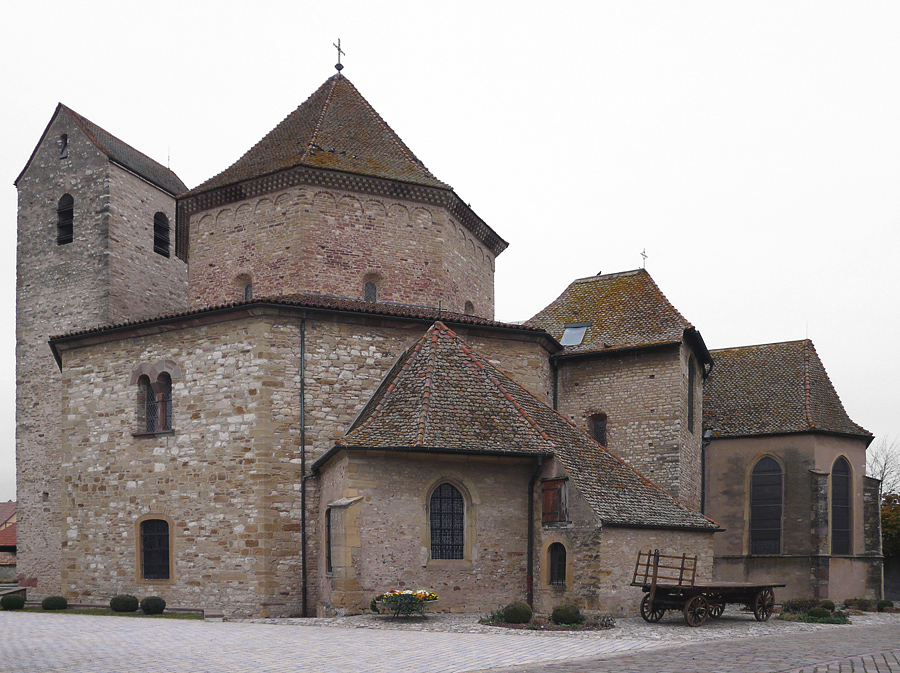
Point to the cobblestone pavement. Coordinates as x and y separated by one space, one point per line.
442 643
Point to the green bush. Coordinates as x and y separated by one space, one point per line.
863 604
884 604
153 605
819 612
517 613
827 604
836 618
54 603
566 614
124 603
12 602
799 606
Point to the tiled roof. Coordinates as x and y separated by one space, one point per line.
121 153
7 510
8 536
622 310
773 389
336 129
442 395
312 301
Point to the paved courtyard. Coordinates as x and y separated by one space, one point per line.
457 644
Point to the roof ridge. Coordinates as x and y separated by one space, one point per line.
808 410
614 274
763 345
321 119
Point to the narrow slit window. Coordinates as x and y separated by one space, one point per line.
248 292
64 146
65 220
328 561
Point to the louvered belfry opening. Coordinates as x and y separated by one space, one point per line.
765 507
447 522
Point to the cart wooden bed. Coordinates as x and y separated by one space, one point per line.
669 583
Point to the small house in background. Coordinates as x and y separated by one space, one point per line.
7 541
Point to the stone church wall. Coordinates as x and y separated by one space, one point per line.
331 242
643 394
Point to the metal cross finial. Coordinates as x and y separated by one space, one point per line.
337 46
644 255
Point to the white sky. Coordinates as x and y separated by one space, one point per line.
752 148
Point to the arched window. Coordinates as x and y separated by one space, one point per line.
557 554
161 234
65 220
64 146
840 507
765 507
597 425
469 309
447 518
370 291
157 398
248 292
155 556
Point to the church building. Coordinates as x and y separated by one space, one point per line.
283 392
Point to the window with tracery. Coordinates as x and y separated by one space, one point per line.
447 519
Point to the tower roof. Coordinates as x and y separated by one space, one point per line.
773 389
118 152
618 311
336 129
443 396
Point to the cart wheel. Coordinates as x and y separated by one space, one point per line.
696 610
649 612
716 610
764 604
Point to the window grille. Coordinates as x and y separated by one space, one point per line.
557 565
765 507
161 234
447 523
840 507
65 220
598 428
155 549
158 405
370 292
248 292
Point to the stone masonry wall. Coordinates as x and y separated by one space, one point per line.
59 288
228 476
644 395
332 242
143 283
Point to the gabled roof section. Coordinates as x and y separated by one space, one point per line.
442 396
8 536
7 511
773 389
336 129
118 152
620 311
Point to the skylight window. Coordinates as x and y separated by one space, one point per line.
574 334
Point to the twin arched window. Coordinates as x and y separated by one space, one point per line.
765 507
447 519
156 402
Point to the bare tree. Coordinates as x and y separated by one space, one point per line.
883 462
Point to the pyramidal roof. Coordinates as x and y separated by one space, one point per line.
773 389
336 129
619 310
118 152
442 396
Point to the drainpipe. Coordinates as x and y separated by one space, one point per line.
303 575
529 570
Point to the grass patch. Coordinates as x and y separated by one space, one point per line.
601 623
106 612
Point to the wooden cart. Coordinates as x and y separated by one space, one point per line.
669 583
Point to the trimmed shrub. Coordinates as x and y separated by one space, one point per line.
153 605
12 602
827 604
863 604
517 613
124 603
566 614
884 604
819 613
799 606
54 603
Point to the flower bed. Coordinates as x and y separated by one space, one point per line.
404 602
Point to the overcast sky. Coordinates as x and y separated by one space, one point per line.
753 149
